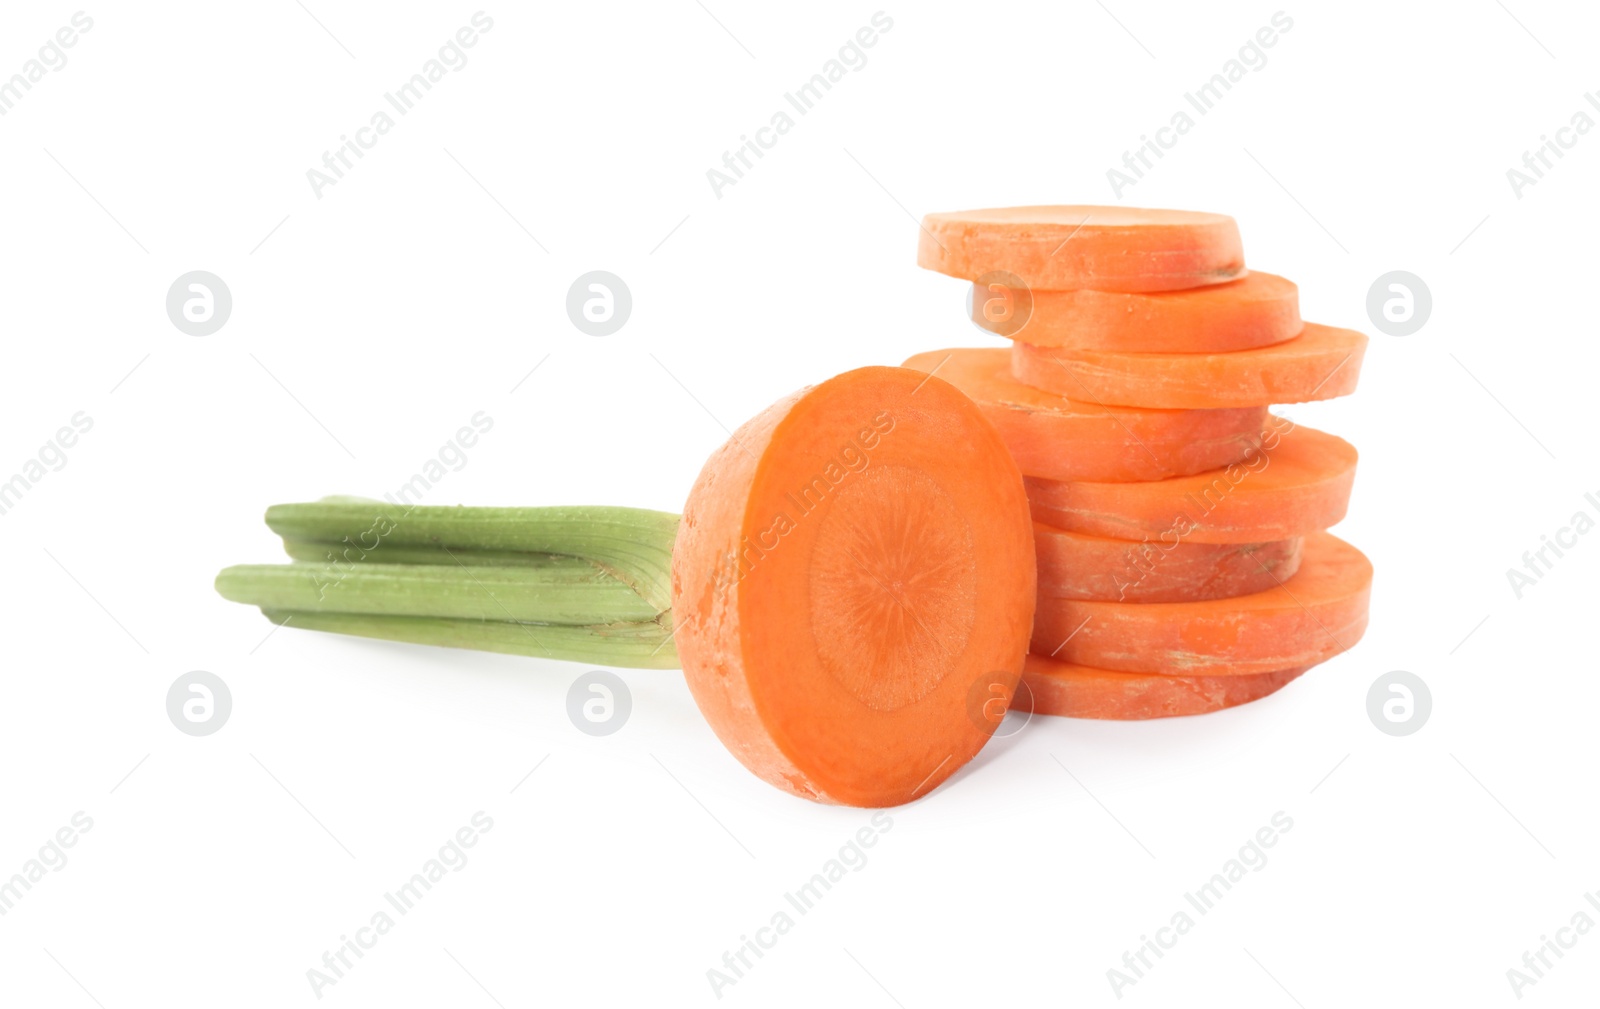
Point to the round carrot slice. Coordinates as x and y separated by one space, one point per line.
1321 363
1072 247
1257 310
1078 566
1297 482
1059 438
1311 617
1052 687
848 565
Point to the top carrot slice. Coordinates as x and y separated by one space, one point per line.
849 566
1257 310
1065 248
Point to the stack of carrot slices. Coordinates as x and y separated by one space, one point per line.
1183 560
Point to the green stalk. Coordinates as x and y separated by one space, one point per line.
632 544
564 590
586 584
634 646
319 551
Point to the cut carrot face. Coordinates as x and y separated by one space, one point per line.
848 566
1311 617
1321 363
1067 248
1257 310
1296 483
1078 566
1052 687
1059 438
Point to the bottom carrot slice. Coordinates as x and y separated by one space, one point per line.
1311 617
1052 687
1076 565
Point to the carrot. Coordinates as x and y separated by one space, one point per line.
1052 687
849 564
1298 482
1065 248
1321 363
1257 310
847 568
1319 612
1059 438
1078 566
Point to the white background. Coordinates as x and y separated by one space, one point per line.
379 317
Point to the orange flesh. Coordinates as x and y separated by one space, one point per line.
1051 687
1257 310
1059 438
1063 248
848 566
1077 566
1311 617
1321 363
1298 482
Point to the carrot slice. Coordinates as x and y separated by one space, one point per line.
1311 617
1052 687
1058 438
848 565
1078 566
1321 363
1257 310
1065 248
1298 482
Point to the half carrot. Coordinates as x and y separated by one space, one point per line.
1257 310
848 566
1297 482
1052 687
1079 566
1321 363
1063 248
1311 617
1059 438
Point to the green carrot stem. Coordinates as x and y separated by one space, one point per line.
562 590
645 645
632 544
343 554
